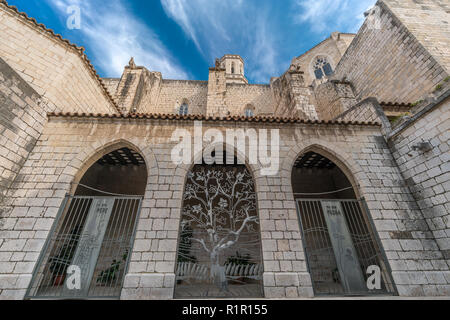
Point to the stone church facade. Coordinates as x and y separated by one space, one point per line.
363 125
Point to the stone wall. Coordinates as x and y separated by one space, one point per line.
333 98
387 61
52 67
333 48
192 92
217 90
238 96
147 92
111 85
429 22
428 172
22 118
67 147
292 98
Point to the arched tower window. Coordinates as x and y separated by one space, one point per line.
249 111
232 67
322 67
184 109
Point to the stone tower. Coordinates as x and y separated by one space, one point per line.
234 68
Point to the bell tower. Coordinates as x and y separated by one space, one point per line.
234 69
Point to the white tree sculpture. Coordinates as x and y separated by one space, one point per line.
220 201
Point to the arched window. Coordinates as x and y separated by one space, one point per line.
184 109
232 67
249 111
322 67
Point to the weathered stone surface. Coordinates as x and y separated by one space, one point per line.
406 191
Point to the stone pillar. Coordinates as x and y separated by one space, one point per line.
285 269
333 98
151 273
292 97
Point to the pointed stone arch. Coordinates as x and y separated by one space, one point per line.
336 158
91 153
338 233
340 156
226 270
95 228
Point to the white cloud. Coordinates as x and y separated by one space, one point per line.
325 16
219 27
114 35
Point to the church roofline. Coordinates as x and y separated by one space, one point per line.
322 42
79 50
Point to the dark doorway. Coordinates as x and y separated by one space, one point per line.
344 255
94 232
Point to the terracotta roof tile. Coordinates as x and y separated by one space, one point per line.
79 50
155 116
395 104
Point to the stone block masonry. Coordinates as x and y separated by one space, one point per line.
52 67
332 49
22 119
240 96
334 98
406 190
428 173
64 149
390 62
194 93
429 22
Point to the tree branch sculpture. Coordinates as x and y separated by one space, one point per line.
221 202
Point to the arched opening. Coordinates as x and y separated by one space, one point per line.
219 253
249 111
87 253
343 252
184 108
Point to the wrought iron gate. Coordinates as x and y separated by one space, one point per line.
219 252
342 249
88 249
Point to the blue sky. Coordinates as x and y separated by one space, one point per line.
181 38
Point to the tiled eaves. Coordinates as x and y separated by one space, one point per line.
395 104
79 50
173 117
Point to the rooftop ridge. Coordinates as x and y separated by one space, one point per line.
79 50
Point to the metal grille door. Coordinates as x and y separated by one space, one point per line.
88 249
219 253
341 248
